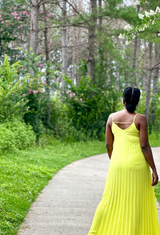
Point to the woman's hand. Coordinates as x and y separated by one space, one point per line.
154 178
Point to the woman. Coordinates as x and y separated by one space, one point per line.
128 205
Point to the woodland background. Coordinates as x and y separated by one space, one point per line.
64 66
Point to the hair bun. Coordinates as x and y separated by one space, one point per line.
131 107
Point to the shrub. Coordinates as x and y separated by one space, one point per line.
15 135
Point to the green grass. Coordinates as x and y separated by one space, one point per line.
154 140
157 191
24 175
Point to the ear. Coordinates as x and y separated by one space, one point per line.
124 101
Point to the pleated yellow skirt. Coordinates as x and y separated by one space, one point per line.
128 205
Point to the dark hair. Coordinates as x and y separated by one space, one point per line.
131 97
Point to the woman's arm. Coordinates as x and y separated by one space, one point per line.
109 136
143 134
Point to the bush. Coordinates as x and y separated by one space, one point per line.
15 135
88 108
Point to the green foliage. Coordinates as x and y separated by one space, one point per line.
9 29
11 102
15 135
89 107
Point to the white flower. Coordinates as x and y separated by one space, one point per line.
152 13
121 36
128 27
137 3
140 16
153 22
158 34
158 10
147 14
141 29
127 43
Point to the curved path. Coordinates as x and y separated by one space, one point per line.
66 206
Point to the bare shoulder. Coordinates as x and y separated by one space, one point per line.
141 121
141 118
110 119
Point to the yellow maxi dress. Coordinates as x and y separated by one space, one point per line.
128 205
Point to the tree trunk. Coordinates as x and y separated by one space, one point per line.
100 18
47 64
133 75
64 44
91 36
148 95
156 70
155 87
144 83
34 25
137 63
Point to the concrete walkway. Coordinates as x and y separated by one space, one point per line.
67 204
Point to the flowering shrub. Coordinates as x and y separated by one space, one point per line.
88 107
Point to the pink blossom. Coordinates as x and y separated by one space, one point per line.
27 93
24 13
69 91
5 21
18 18
41 91
52 80
62 91
20 84
50 43
44 83
19 27
40 65
24 94
14 13
15 17
28 16
49 15
30 91
37 64
35 92
7 25
66 92
74 94
52 103
76 99
80 99
70 95
27 110
41 12
12 24
2 22
46 17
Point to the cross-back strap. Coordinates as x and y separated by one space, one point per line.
124 122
